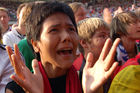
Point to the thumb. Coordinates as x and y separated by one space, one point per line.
35 66
89 60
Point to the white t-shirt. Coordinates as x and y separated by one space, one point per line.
6 69
11 38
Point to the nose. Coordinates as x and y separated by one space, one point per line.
66 37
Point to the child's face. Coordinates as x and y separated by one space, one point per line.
80 14
58 41
134 31
97 41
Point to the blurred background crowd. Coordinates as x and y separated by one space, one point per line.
95 7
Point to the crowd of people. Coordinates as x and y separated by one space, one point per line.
56 47
94 9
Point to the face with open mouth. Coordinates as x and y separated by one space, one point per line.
58 41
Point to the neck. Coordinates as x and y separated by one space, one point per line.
130 46
5 29
53 71
20 30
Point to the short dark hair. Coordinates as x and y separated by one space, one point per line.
40 12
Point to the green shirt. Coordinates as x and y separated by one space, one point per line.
27 52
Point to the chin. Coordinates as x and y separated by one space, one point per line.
66 66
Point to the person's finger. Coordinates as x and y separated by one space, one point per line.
105 49
35 67
110 71
89 60
16 49
110 57
10 52
17 66
17 53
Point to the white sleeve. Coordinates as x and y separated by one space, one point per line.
6 70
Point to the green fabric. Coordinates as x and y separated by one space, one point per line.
127 80
27 52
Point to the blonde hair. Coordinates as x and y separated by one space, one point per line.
5 10
28 9
88 27
20 7
75 6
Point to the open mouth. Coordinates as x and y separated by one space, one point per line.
65 52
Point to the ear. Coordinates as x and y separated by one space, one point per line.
83 43
35 46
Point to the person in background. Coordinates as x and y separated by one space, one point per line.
119 10
53 36
4 19
79 10
18 13
6 69
17 34
93 33
127 80
27 53
80 13
107 16
126 26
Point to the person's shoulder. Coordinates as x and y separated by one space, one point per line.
132 61
4 58
9 33
23 41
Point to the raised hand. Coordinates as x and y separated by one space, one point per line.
96 74
107 16
32 83
119 10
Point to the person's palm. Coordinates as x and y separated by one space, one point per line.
32 83
96 74
107 16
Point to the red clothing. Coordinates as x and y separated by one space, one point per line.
78 62
132 61
72 81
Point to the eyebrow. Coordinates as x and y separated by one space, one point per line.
56 25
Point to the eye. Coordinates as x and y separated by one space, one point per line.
71 29
53 30
102 36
